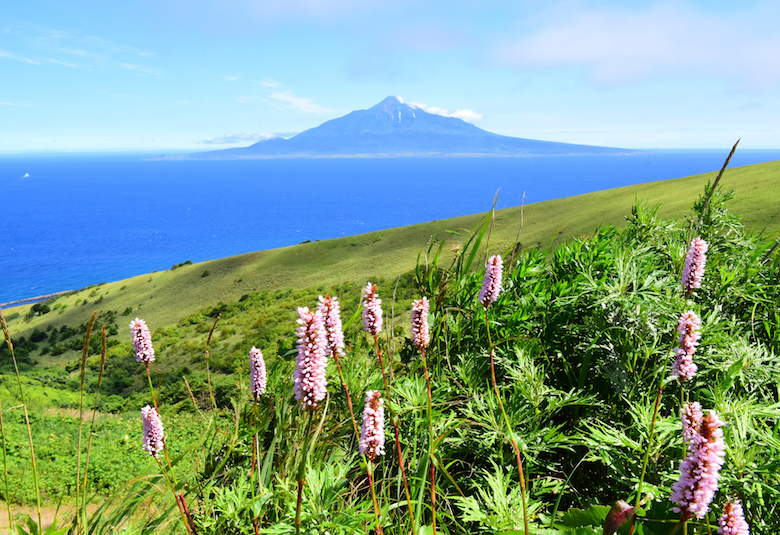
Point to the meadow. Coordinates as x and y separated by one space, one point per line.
535 412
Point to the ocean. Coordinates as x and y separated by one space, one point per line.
72 220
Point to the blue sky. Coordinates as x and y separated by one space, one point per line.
201 74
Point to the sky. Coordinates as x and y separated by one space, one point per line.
189 75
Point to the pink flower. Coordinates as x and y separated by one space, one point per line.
733 520
693 272
491 286
372 432
420 332
257 374
329 307
309 383
142 341
689 327
684 368
692 416
699 471
372 310
154 434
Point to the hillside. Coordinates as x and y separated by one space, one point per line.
394 128
164 298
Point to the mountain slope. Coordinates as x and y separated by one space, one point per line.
394 128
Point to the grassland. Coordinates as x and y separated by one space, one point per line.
165 298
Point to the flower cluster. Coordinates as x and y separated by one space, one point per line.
331 312
733 520
420 331
372 310
694 265
491 286
257 374
689 327
309 383
372 432
699 471
142 341
154 434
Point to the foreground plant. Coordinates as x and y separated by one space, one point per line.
372 324
309 384
488 294
421 339
372 441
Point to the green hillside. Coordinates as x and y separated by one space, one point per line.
164 298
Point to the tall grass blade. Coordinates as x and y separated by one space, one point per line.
10 344
84 355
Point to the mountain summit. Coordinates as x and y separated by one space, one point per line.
393 128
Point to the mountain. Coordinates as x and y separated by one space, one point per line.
392 128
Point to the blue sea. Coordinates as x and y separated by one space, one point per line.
69 221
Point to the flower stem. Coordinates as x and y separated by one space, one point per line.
302 473
430 441
397 434
508 427
370 470
349 398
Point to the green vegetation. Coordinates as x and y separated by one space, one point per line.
582 337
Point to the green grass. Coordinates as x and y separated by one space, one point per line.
163 299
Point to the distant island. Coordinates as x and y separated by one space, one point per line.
393 128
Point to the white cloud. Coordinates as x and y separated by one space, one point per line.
270 83
303 104
619 45
238 138
10 55
466 115
230 78
13 104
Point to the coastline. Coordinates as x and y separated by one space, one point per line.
33 299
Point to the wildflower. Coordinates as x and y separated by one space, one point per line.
154 434
257 374
699 471
142 341
692 417
694 265
733 520
310 384
420 334
331 312
372 432
689 327
491 286
372 310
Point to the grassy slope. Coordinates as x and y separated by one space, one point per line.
164 298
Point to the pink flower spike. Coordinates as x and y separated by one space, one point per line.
420 330
331 312
733 520
142 341
700 470
689 327
491 286
372 310
372 432
695 260
684 368
154 434
692 416
257 374
310 384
